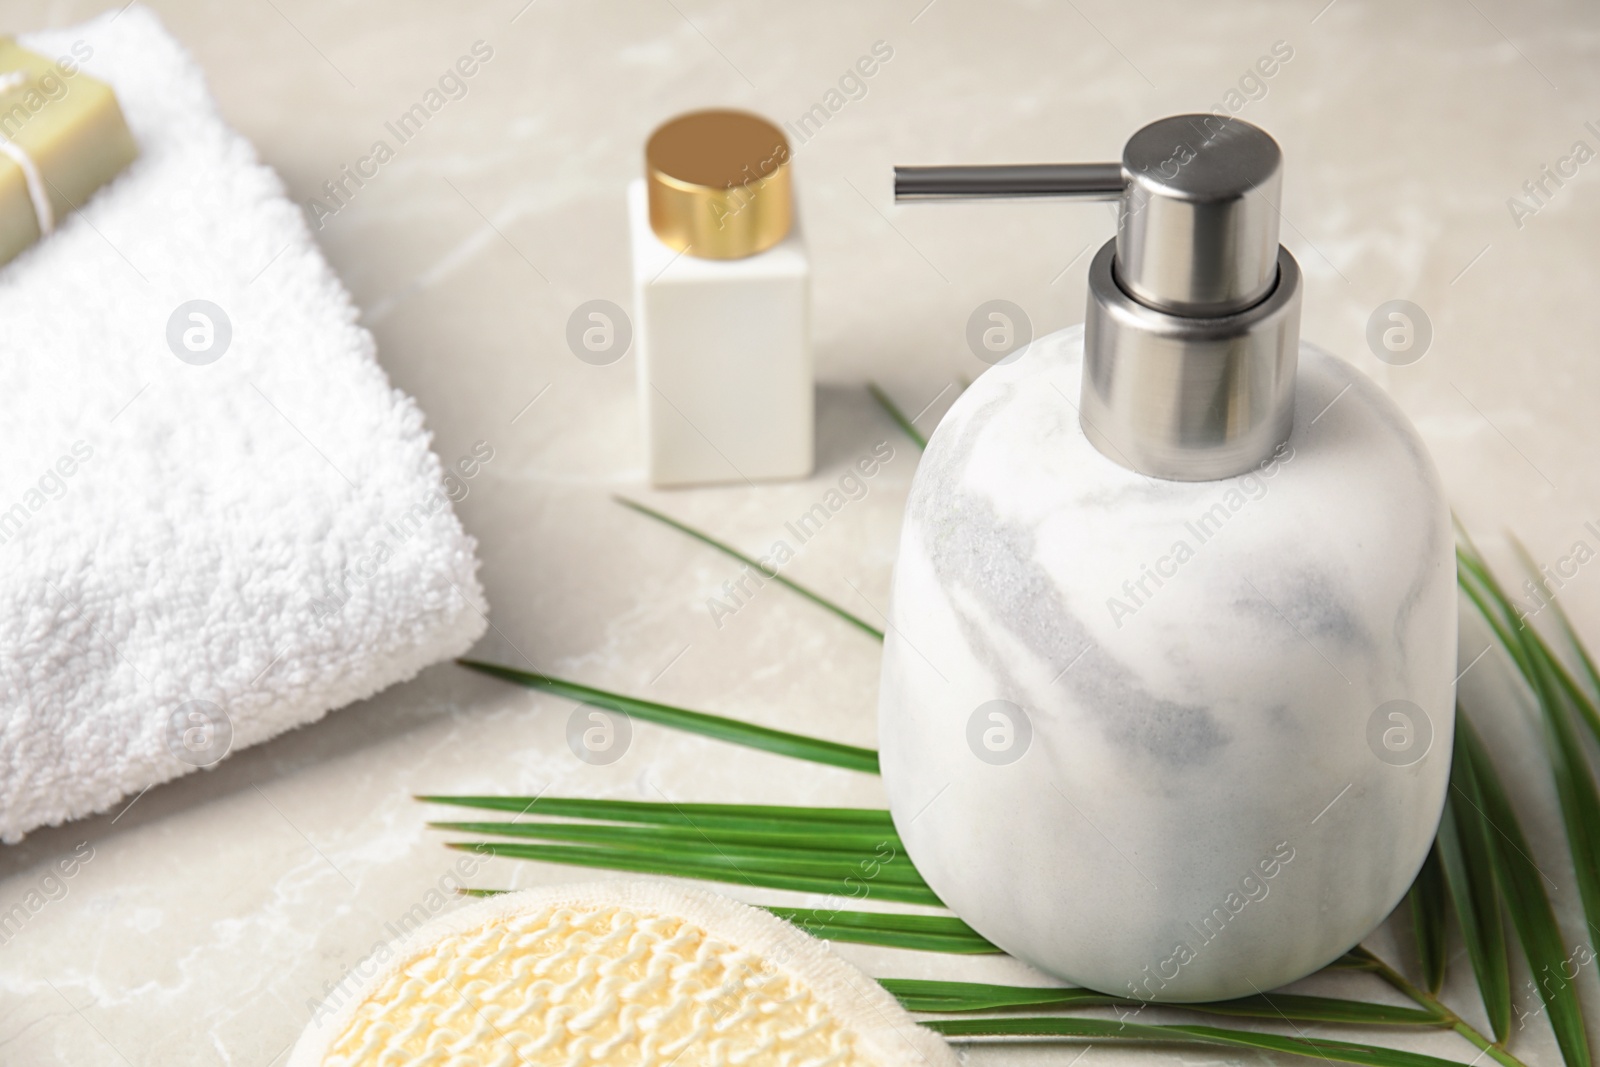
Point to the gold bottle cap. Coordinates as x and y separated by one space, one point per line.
719 184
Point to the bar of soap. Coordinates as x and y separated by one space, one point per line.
71 129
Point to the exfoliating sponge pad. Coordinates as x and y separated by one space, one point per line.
619 973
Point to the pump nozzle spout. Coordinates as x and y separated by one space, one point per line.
1081 181
1191 332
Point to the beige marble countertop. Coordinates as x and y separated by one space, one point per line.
216 907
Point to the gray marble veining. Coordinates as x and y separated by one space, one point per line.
1196 785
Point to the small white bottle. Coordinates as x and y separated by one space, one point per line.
721 288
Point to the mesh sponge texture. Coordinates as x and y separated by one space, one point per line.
648 974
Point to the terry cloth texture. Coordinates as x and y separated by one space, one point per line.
212 528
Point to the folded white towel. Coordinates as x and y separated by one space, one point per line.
267 533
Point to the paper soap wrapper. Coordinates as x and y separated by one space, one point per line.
71 129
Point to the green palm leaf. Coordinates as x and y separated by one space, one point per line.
1111 1030
1427 899
1360 958
774 818
1530 909
810 842
922 933
836 879
1571 635
1574 643
1562 705
935 997
739 858
899 417
773 575
1299 1008
893 864
1582 701
1464 849
1519 638
1528 649
1575 785
930 933
779 742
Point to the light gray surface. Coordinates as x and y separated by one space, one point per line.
215 907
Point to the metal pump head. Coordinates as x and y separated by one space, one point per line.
1193 320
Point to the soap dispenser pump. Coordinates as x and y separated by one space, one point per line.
1167 695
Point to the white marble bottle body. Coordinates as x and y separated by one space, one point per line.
724 349
1205 792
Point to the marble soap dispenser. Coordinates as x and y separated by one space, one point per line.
1167 699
